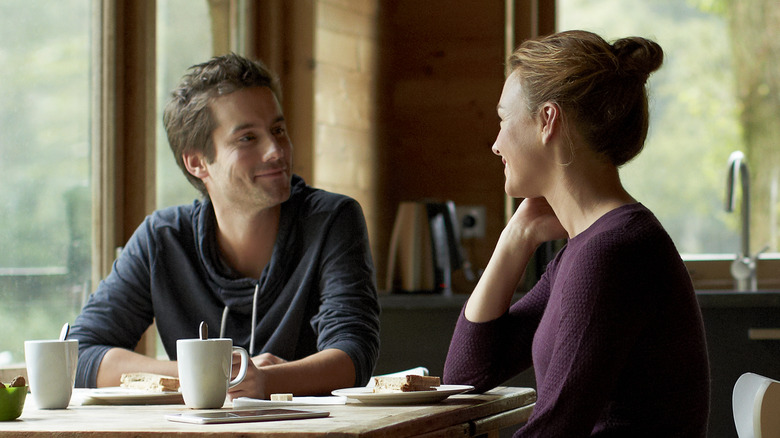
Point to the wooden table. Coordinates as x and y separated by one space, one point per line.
457 416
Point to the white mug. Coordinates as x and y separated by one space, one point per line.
51 369
204 370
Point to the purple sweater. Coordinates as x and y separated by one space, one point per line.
614 333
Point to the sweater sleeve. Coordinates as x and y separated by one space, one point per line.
119 311
348 317
487 354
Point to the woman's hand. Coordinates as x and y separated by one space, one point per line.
535 221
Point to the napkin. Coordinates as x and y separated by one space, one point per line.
246 402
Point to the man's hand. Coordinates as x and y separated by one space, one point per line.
317 374
264 359
253 385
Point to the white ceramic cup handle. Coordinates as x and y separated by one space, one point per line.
244 364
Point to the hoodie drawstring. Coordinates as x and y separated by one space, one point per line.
254 320
225 312
224 321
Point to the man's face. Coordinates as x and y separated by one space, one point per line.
252 165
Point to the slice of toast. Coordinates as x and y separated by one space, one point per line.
149 382
408 383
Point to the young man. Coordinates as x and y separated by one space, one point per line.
283 269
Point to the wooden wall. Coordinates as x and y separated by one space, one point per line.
345 98
441 73
430 76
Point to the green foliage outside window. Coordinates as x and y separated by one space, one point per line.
697 114
44 168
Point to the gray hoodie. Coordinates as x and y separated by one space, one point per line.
317 292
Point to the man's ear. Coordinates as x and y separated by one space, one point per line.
195 163
550 120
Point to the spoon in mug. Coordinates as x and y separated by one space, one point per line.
64 332
204 331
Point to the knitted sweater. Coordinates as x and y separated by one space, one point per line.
614 333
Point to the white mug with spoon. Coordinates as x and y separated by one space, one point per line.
205 367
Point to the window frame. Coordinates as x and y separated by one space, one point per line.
711 272
124 102
123 118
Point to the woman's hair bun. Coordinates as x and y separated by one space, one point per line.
638 56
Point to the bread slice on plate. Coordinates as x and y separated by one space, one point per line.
149 382
408 383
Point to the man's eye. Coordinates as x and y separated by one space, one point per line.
246 138
281 130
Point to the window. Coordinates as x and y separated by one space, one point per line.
188 33
178 48
67 154
703 107
45 223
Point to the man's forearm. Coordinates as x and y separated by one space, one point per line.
317 374
118 361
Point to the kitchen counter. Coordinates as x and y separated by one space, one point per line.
743 335
730 298
707 298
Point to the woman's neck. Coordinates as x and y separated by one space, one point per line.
586 191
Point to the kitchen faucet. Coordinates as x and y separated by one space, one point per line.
743 269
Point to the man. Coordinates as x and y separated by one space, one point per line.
283 269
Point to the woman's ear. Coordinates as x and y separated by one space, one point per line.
195 164
550 120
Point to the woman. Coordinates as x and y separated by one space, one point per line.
613 328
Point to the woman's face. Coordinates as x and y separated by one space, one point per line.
519 143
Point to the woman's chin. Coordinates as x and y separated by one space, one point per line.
512 191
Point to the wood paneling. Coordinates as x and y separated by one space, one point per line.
441 74
124 150
441 71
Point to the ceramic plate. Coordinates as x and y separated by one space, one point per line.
127 396
367 395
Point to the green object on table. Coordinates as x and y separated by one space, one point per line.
12 402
